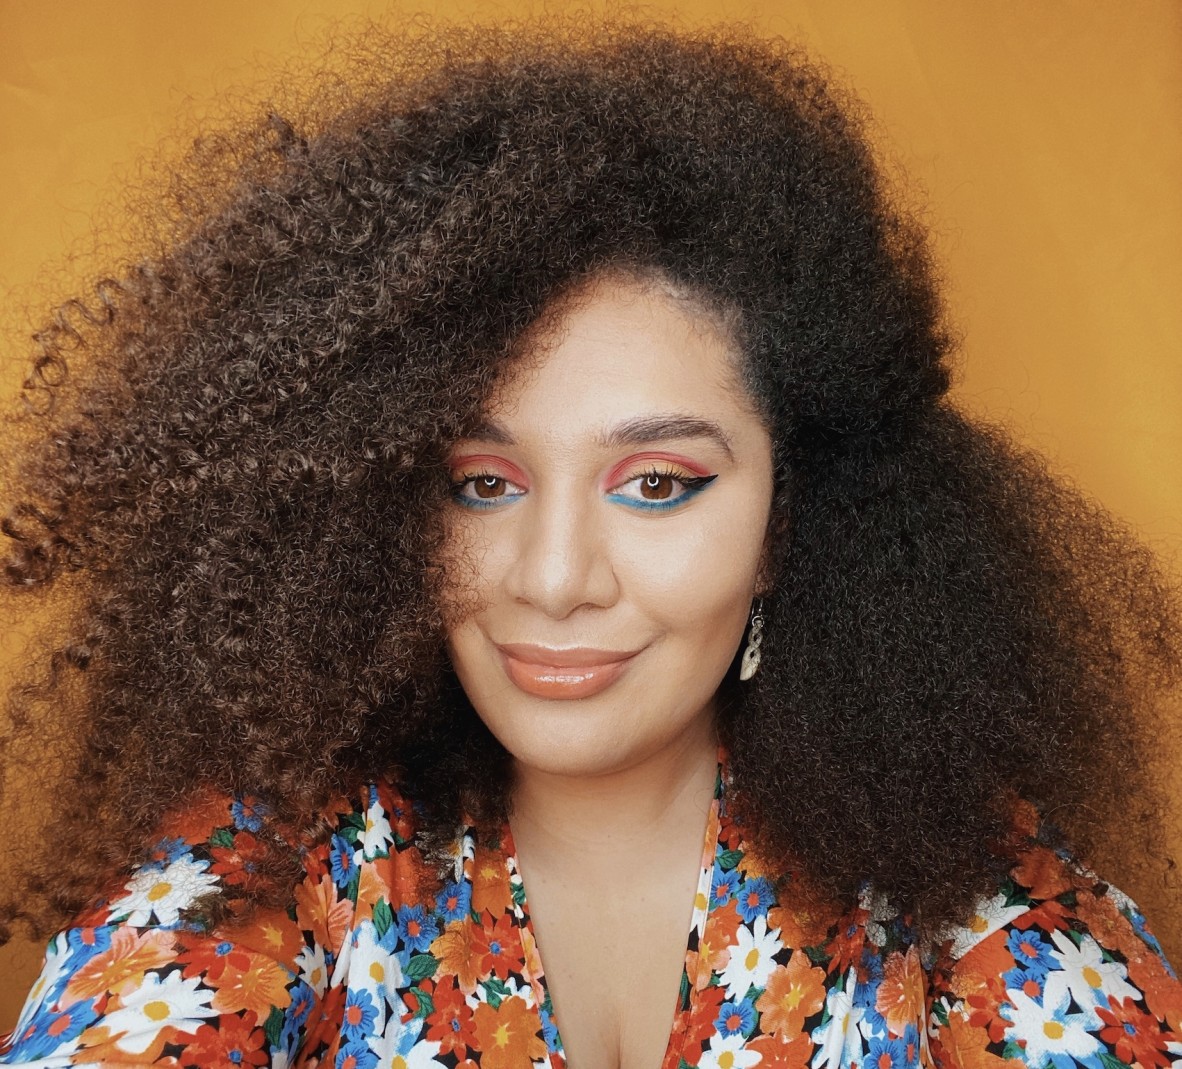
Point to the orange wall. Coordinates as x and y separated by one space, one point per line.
1047 138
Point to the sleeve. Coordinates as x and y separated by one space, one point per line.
1058 970
134 981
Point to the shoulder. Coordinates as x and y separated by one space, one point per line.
370 857
1057 967
227 847
171 934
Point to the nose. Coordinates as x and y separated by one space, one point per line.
562 559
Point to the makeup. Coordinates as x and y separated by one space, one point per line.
563 674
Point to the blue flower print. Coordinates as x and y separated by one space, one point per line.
360 1014
723 887
1031 982
303 998
887 1053
342 861
1031 952
356 1055
1140 926
549 1030
86 943
454 901
247 816
735 1018
169 848
865 992
754 898
50 1029
416 928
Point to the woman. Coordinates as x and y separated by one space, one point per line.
537 473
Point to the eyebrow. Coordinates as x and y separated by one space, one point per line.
642 430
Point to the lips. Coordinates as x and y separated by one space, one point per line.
577 672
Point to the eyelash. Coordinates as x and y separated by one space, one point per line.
692 485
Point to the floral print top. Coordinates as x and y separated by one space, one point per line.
375 965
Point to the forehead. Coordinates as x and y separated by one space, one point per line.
623 349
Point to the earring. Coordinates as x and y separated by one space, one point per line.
750 663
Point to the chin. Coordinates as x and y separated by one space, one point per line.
576 739
561 749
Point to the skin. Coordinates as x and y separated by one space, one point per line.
578 536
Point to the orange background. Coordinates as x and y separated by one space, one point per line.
1045 139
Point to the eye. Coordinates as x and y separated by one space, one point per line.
484 490
658 489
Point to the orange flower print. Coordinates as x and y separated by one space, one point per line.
132 953
982 968
399 812
1050 916
794 993
1135 1036
201 816
374 885
1163 993
1042 871
730 834
455 949
722 926
244 980
451 1024
900 997
777 1052
529 952
321 912
259 986
273 933
788 922
236 1042
696 1027
237 864
967 1046
490 883
847 946
507 1036
499 948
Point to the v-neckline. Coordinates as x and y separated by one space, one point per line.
535 972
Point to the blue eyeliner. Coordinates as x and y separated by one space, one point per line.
693 487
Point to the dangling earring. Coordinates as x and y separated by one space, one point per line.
750 663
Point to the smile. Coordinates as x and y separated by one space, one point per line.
563 674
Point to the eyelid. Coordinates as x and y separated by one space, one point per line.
617 473
482 462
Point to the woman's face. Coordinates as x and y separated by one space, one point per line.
609 519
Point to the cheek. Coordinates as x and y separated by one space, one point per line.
700 575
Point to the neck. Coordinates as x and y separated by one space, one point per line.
642 803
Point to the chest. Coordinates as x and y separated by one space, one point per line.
595 975
614 961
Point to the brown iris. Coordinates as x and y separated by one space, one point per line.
656 487
487 486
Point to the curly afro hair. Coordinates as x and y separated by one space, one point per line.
233 453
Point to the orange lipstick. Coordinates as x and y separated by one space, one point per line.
577 672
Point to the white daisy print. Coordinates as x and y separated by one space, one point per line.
155 1005
163 892
751 961
991 914
312 968
377 836
1087 976
1046 1030
726 1052
839 1041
